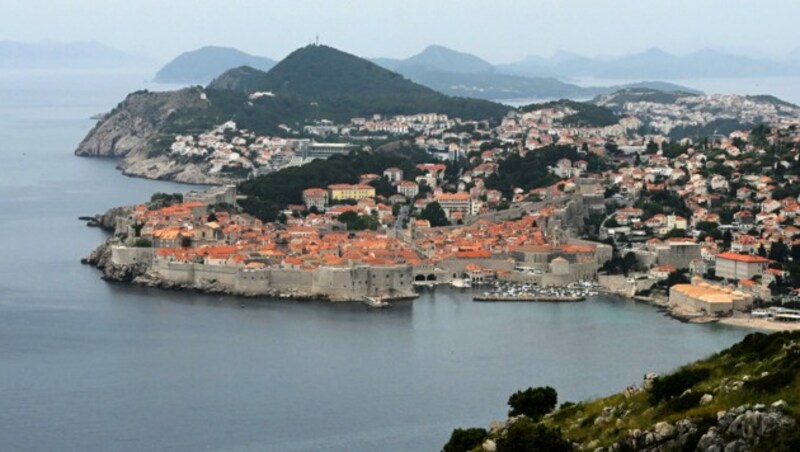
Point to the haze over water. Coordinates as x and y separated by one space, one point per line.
90 366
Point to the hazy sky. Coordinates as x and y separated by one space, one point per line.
497 30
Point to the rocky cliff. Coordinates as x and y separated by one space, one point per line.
130 132
132 124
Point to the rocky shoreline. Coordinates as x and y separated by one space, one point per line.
139 275
129 130
737 320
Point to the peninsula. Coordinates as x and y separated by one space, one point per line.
630 192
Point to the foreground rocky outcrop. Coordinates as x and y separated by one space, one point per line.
745 398
742 428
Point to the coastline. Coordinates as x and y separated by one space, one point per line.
738 320
759 324
137 275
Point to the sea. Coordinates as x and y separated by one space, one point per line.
86 365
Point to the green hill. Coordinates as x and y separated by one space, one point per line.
340 86
586 114
267 195
746 397
640 94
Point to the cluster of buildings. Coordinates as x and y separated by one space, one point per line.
733 210
693 111
228 149
421 123
550 126
195 244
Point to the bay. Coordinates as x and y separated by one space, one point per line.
91 366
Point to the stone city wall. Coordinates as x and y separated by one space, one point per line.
336 283
126 255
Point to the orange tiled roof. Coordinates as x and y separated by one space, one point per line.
743 258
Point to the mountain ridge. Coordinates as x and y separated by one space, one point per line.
653 63
326 76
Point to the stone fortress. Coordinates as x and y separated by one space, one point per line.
550 257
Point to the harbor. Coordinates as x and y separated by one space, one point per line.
527 297
509 292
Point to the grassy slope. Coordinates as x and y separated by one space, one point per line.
777 354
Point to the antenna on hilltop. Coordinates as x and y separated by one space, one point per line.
316 43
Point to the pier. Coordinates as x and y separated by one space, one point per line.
529 297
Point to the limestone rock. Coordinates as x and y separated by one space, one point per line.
780 405
136 120
736 446
649 378
711 441
664 430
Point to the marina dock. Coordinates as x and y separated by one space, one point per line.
529 297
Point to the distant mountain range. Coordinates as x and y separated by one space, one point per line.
206 63
438 58
340 86
442 69
654 63
463 74
77 55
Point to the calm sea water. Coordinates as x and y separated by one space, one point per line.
91 366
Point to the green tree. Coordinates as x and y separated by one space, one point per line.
778 252
727 238
462 440
676 233
383 187
676 277
525 435
434 213
533 402
356 222
159 200
143 243
137 229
